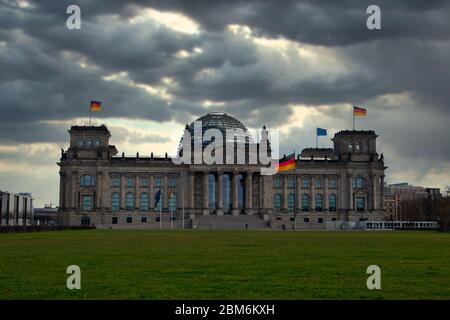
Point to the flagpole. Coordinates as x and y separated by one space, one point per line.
160 210
353 112
90 115
183 206
171 219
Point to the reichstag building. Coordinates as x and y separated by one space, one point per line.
102 188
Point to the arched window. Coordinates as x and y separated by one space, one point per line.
173 202
277 201
305 202
359 183
291 202
319 202
115 201
129 201
87 180
144 201
332 202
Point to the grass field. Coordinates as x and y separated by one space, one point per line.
224 264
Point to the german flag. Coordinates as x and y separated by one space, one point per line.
357 111
96 106
287 163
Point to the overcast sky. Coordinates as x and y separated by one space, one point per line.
157 65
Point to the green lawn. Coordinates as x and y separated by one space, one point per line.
224 264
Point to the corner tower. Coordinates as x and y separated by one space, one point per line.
90 142
356 145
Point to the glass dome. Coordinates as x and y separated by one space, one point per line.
222 122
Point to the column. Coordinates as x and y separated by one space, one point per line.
151 193
350 192
284 204
62 192
382 194
205 210
181 183
298 196
312 194
249 193
137 192
99 190
234 194
374 192
191 190
74 190
165 192
219 193
122 191
341 191
326 196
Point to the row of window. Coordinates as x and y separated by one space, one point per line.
145 182
358 182
88 180
130 201
291 182
86 221
88 142
357 146
143 201
305 202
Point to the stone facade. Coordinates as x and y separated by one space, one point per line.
97 187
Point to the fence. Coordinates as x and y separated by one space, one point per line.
7 229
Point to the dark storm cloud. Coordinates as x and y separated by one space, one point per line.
324 22
41 77
48 74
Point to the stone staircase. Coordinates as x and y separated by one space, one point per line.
214 222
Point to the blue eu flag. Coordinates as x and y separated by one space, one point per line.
321 132
157 197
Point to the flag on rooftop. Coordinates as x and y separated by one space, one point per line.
357 111
287 163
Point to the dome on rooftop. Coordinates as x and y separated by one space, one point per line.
222 122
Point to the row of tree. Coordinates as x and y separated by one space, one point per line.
427 209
